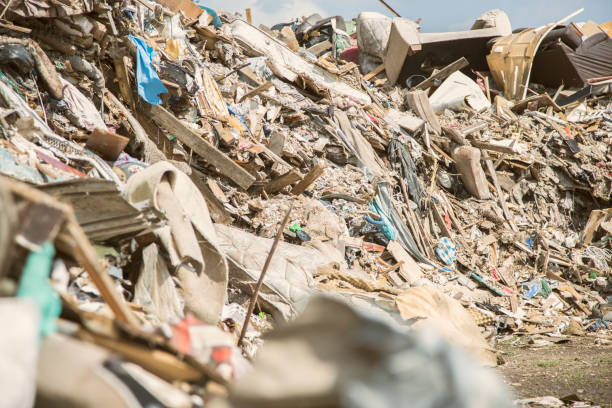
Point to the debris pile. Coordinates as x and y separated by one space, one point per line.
176 183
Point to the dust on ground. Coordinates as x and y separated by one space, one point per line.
580 366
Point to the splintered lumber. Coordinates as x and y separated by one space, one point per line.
123 79
409 269
419 102
500 193
312 175
374 72
320 48
208 152
442 74
283 181
256 91
75 242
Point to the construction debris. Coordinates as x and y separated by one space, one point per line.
457 183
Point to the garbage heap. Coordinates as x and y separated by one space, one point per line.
151 150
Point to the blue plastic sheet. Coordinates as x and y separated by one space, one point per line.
149 84
34 284
216 21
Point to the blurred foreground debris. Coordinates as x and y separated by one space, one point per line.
444 191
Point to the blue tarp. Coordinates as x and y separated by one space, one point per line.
149 84
216 21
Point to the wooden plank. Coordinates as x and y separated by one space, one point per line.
123 79
320 48
225 136
276 143
409 269
419 102
374 72
107 144
442 74
208 152
250 74
283 181
312 175
500 193
256 91
188 7
73 241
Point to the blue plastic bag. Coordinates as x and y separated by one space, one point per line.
149 84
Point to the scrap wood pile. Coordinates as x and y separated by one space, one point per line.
151 150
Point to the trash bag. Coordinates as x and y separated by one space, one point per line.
18 56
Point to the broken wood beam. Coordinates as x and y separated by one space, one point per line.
256 91
312 175
123 79
202 147
419 102
374 72
276 185
320 48
442 74
500 193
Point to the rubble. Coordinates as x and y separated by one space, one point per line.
456 183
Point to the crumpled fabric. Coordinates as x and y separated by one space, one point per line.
83 110
149 84
189 238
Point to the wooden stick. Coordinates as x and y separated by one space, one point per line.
263 274
500 193
374 72
389 7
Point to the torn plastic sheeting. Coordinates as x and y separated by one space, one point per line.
288 282
384 207
86 113
340 356
458 92
289 65
18 55
34 284
149 84
399 156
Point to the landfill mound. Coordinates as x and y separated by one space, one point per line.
198 211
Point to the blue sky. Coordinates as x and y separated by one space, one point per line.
437 15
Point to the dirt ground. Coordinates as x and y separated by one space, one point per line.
579 366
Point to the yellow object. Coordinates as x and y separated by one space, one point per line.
172 49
